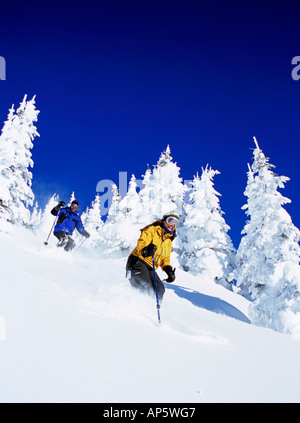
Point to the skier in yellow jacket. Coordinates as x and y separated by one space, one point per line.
155 239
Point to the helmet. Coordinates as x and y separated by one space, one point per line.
171 213
75 202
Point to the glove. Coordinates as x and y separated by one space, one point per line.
57 208
86 234
149 250
171 274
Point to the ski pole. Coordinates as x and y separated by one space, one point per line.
60 205
80 245
157 301
46 242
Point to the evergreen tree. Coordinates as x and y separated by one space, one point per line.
15 159
131 205
146 199
72 198
110 244
47 219
122 226
93 223
206 248
114 209
268 254
163 189
35 218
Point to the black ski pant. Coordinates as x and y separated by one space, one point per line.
65 240
141 277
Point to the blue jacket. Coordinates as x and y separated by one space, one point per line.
67 221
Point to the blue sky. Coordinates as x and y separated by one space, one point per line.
117 81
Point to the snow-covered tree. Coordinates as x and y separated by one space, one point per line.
122 226
35 218
93 223
163 189
47 219
131 205
15 159
72 198
206 248
146 198
268 254
115 202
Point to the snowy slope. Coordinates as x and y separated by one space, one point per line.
75 331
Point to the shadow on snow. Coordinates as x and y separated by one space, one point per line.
209 303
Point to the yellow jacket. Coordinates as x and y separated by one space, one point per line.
155 235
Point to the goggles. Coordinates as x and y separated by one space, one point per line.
171 220
75 206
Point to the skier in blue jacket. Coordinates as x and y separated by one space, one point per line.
68 220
